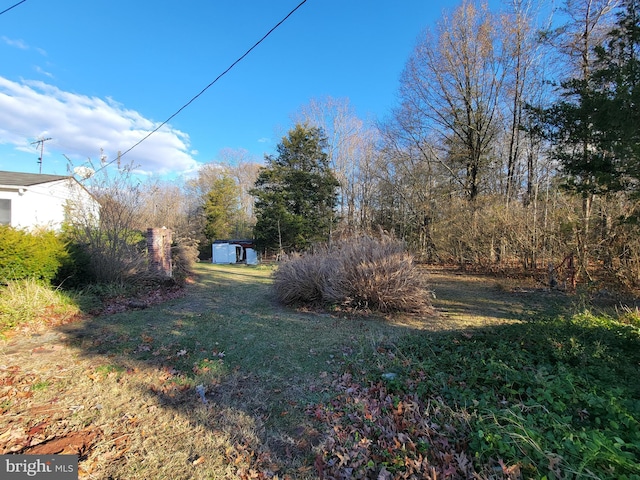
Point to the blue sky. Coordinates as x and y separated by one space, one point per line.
102 73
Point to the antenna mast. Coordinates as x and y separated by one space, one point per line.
40 142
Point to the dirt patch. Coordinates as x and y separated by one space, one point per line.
74 443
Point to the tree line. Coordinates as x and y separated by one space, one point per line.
514 143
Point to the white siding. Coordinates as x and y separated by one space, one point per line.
43 205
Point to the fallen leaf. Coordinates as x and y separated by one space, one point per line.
42 409
384 474
13 440
37 428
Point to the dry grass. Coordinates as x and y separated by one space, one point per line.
139 422
26 301
310 279
183 257
364 273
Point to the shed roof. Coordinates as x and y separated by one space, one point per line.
19 179
245 242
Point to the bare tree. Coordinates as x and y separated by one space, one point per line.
452 85
412 178
163 203
112 240
241 167
350 151
522 59
245 175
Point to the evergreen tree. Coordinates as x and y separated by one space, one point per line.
221 209
594 126
296 193
618 79
576 124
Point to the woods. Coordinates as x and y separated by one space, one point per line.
513 145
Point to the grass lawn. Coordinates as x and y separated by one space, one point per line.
225 383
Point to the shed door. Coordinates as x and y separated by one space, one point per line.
252 256
223 253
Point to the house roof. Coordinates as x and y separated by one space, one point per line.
19 179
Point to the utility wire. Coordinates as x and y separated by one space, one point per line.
13 6
205 88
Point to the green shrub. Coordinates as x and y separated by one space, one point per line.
363 273
36 255
75 271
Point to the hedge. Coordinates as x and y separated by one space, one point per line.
23 254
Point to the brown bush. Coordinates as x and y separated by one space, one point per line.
307 279
363 273
184 254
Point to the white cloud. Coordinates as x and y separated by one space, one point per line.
80 126
42 71
17 43
22 45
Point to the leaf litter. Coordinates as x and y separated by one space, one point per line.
376 434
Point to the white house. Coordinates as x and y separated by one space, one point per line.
31 200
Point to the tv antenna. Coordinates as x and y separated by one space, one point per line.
40 143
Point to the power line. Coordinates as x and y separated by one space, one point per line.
12 6
207 87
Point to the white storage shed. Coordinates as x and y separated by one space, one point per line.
230 252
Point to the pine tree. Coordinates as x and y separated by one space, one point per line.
618 80
296 193
594 125
221 209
